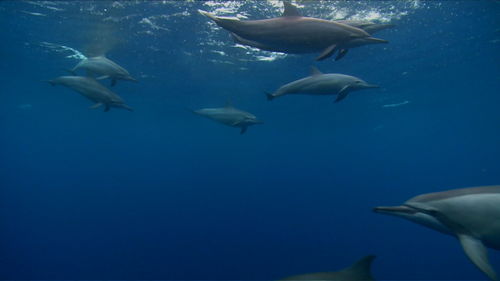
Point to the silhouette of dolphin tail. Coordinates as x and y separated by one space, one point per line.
51 82
269 96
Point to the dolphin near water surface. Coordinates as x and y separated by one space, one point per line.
294 34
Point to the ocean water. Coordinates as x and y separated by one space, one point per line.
161 193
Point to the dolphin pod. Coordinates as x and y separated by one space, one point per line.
359 271
230 116
323 84
92 90
103 68
472 215
293 33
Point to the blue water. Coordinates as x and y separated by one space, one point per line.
160 193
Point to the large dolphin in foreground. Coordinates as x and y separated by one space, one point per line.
103 68
323 84
230 116
470 214
292 33
92 90
359 271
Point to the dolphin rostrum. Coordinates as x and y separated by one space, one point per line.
103 68
230 116
92 90
470 214
367 26
357 272
292 33
323 84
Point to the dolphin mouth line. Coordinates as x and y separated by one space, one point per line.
395 209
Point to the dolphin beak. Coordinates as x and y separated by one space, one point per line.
394 210
130 78
366 85
375 40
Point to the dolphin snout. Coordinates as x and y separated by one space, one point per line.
375 40
130 78
394 210
366 85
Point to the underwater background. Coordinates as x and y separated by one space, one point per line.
160 193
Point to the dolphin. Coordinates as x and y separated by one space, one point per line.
322 84
230 116
470 214
294 34
103 68
356 272
92 90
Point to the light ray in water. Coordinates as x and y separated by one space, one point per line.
75 54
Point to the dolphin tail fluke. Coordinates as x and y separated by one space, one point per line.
269 96
51 82
477 253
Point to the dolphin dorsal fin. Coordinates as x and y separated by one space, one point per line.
315 71
362 268
290 10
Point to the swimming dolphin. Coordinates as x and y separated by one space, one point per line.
230 116
470 214
103 68
323 84
357 272
292 33
92 90
367 26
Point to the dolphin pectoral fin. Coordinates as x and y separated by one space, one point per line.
478 254
341 54
96 105
102 77
243 130
342 94
290 10
106 107
328 52
113 82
